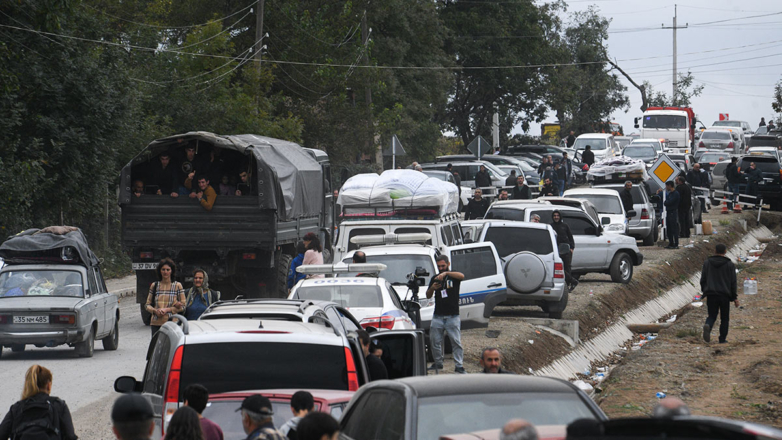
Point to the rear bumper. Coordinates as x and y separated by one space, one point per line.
50 338
641 230
547 294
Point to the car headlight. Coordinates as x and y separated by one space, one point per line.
426 302
616 227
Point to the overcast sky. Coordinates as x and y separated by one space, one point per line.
738 60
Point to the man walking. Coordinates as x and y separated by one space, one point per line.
671 215
564 236
734 181
567 164
521 191
561 176
685 205
445 289
718 284
200 296
490 361
477 206
482 178
754 177
699 178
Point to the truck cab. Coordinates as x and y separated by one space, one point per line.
676 125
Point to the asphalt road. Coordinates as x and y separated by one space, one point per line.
86 384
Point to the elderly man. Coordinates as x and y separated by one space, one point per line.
518 429
257 419
491 360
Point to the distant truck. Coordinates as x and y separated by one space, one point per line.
245 242
674 125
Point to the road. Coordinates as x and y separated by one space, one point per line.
86 384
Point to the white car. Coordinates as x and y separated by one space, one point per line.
601 144
613 217
659 147
371 300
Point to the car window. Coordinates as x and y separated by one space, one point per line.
466 172
101 280
223 367
372 406
717 135
447 236
336 410
411 230
358 293
579 226
640 152
157 367
595 143
457 233
42 283
474 263
510 240
394 296
363 231
399 266
505 214
604 204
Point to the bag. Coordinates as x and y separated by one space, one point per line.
36 420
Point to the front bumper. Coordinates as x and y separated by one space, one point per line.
48 338
639 259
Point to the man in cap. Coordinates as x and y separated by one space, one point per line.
257 419
132 418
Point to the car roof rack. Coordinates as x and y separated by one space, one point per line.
323 269
370 240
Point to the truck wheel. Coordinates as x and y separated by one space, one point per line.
621 268
87 348
283 265
146 317
111 342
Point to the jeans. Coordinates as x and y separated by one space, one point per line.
736 190
719 304
672 229
437 330
561 184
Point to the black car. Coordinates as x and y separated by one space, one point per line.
770 189
429 407
543 150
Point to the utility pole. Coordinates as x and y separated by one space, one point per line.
259 34
495 129
368 93
674 27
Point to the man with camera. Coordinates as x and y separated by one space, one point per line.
445 288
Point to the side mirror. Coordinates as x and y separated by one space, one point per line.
127 384
599 231
654 199
605 221
631 213
411 306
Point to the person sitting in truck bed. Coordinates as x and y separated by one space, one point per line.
205 194
138 188
190 166
164 175
243 188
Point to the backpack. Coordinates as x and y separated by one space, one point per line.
35 419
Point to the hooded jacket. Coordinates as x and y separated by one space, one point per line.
208 295
718 277
562 230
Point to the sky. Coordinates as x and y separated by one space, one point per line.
737 59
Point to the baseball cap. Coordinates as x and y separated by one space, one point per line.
257 404
131 408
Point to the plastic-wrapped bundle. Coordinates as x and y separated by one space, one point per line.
398 190
619 167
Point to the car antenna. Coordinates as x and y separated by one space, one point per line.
260 324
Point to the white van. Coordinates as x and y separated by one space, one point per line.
603 145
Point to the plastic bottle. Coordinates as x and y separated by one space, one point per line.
591 292
750 286
660 395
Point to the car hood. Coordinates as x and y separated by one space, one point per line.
32 303
621 239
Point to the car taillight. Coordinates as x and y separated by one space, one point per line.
378 322
700 145
352 374
171 401
62 319
148 255
559 270
730 145
4 319
644 214
248 256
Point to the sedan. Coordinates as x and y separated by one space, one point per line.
426 408
643 152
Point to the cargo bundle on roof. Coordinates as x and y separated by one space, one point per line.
617 169
395 193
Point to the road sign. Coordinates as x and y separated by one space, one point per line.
479 146
724 117
395 149
663 170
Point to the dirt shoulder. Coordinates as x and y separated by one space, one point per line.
739 380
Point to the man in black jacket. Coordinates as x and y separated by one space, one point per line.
734 181
685 203
376 368
549 189
482 178
671 203
718 284
588 157
564 236
477 206
699 178
754 177
521 191
511 179
626 194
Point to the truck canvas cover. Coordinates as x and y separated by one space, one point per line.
289 179
33 241
396 190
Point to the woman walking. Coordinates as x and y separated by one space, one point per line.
38 414
314 254
166 296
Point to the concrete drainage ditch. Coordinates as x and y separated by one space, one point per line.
614 337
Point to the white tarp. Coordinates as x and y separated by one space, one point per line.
611 166
398 189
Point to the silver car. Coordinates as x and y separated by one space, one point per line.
643 225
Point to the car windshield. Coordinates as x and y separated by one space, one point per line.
716 135
223 412
665 121
399 266
442 415
726 124
713 157
765 165
761 130
604 204
640 152
41 283
357 293
505 214
595 143
436 174
511 240
635 192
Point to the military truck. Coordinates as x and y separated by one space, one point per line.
270 194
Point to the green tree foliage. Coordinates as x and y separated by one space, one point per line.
685 91
776 104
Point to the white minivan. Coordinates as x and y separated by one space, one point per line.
602 144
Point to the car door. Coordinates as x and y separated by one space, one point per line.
591 250
484 284
379 413
404 352
110 303
97 302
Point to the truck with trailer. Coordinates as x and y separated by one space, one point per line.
673 125
247 240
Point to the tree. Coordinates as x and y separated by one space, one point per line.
776 105
685 91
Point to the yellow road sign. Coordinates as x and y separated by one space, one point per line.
663 170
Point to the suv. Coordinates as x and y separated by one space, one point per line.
770 189
52 293
444 231
595 250
482 288
258 344
642 225
467 171
531 262
602 145
609 205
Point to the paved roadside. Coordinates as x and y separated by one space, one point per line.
122 287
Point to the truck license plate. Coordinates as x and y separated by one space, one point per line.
673 143
31 319
144 266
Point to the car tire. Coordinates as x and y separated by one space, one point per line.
87 348
555 309
621 268
17 348
525 272
146 317
649 239
656 231
111 342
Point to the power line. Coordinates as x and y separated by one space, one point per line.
170 27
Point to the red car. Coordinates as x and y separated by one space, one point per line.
221 408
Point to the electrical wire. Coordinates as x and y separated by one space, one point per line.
171 27
344 41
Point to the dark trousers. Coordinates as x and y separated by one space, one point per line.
752 190
154 329
721 304
567 259
672 229
684 222
734 188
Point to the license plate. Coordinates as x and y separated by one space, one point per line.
673 143
31 319
144 266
